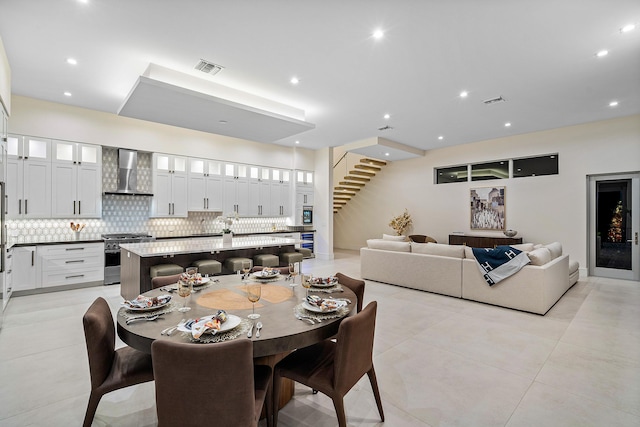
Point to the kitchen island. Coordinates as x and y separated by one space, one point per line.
136 259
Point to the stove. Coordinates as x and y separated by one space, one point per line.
112 244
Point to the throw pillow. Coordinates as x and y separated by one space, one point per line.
555 248
389 245
454 251
540 256
524 247
394 238
468 252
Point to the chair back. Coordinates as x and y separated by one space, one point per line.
421 238
357 286
354 348
100 337
161 281
208 384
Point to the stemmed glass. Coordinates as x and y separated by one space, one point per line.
293 272
246 270
306 282
185 287
254 291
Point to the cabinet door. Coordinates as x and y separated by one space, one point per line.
179 195
37 189
13 188
24 268
161 194
89 194
254 198
242 196
229 196
64 190
285 198
214 193
196 200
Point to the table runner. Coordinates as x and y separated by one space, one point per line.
226 299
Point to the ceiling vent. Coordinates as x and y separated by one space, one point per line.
494 100
385 128
209 67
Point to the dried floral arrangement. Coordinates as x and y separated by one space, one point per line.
401 223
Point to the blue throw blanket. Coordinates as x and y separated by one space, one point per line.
499 263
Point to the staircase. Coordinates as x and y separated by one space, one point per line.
354 181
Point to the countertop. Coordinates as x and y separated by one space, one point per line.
213 244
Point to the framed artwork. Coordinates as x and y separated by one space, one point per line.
487 208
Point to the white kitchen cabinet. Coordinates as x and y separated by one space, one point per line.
280 192
70 264
28 188
7 283
236 189
76 180
170 184
205 185
259 198
23 269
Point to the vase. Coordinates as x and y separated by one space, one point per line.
510 233
227 238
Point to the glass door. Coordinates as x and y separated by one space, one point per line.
614 223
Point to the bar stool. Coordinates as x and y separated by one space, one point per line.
306 253
287 258
237 263
164 270
208 266
266 260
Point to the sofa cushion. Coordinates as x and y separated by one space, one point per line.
394 238
524 247
539 256
389 245
468 252
453 251
555 248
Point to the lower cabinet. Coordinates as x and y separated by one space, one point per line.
23 268
70 264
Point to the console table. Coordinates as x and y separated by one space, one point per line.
482 241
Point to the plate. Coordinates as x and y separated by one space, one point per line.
317 309
265 276
202 281
232 322
323 284
153 307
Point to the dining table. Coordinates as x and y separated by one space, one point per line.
286 323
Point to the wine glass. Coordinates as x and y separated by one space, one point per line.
293 272
245 270
185 287
306 282
254 291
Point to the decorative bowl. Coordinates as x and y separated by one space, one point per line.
510 233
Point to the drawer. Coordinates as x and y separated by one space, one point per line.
71 250
62 278
72 262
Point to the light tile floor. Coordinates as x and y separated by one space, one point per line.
440 361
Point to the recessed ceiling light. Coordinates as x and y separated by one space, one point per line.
387 116
627 28
378 34
72 61
613 104
83 1
386 154
464 94
602 53
67 94
297 142
441 137
294 80
222 122
507 125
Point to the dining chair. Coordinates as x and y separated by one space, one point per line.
110 369
161 281
421 238
334 368
213 384
356 285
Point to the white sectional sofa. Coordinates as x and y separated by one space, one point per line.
452 270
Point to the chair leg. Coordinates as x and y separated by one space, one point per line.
92 406
338 403
376 392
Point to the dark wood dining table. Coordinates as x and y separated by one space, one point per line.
282 332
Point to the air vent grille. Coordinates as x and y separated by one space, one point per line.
385 128
494 100
209 67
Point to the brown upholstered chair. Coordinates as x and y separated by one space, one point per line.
213 384
110 369
421 238
356 285
335 367
283 270
160 281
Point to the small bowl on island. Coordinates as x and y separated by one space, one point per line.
510 233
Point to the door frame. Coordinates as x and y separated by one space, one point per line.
634 273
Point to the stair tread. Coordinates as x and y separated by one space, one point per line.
365 173
357 178
373 161
368 167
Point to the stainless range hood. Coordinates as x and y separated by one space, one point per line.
127 174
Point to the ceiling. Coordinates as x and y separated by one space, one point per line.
539 55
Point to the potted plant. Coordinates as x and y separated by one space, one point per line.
227 221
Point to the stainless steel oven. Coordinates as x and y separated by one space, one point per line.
112 244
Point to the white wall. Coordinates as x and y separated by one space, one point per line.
58 121
542 209
5 79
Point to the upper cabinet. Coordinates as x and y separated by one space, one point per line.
280 192
304 179
28 188
169 186
76 180
236 189
205 185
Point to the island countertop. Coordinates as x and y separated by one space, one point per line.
201 245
